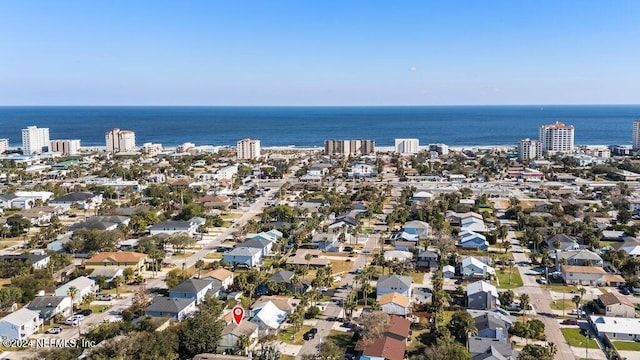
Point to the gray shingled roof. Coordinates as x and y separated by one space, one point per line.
394 281
243 251
73 197
483 346
191 286
168 305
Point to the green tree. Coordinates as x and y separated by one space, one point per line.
116 282
538 352
9 295
200 334
175 277
199 265
128 273
524 303
462 325
577 300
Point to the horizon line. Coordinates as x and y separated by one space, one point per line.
308 106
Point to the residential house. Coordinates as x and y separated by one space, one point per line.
422 196
232 332
24 199
405 245
615 305
391 345
243 256
287 277
20 324
220 277
50 306
108 273
214 201
418 228
175 308
195 289
82 200
616 328
471 267
268 317
384 348
175 226
37 261
394 304
589 275
482 295
448 271
398 256
581 257
264 245
40 215
473 224
119 259
283 303
394 283
482 348
427 260
83 287
455 218
472 240
326 242
102 222
492 324
300 258
562 242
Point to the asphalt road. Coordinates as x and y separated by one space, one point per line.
540 299
334 309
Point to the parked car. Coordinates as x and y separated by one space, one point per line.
570 322
314 330
542 281
625 291
78 317
71 321
308 336
85 312
104 297
581 313
54 330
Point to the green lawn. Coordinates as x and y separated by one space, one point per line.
417 277
561 288
575 338
568 305
341 338
288 336
213 255
503 278
95 308
627 345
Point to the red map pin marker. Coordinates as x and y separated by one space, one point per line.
238 314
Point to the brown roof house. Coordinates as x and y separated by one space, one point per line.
391 346
120 259
615 305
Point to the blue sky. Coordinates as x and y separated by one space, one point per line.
319 52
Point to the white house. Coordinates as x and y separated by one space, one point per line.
394 283
448 271
472 223
394 304
24 199
232 332
84 200
616 328
195 289
83 285
20 324
269 317
50 306
175 226
474 268
221 277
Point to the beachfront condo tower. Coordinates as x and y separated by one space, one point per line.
407 146
529 150
636 134
35 140
248 149
556 138
120 140
348 147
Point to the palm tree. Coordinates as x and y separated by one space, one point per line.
582 291
199 265
553 349
307 257
116 282
524 302
576 300
72 292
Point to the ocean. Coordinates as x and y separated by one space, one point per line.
310 126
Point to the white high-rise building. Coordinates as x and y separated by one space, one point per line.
65 147
407 146
120 140
35 140
556 137
636 134
529 150
248 149
4 145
